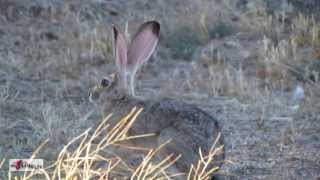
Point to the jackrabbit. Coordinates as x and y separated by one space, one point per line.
188 126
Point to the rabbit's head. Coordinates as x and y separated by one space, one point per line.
128 60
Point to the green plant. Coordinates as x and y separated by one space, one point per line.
221 29
183 42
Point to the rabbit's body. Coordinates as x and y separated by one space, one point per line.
187 126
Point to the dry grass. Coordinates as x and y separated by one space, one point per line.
202 169
84 158
228 81
306 30
286 59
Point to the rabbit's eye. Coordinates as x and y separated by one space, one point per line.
105 82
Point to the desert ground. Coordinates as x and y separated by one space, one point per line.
252 65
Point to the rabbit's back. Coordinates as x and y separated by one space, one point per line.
186 125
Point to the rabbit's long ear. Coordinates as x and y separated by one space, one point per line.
120 53
143 44
120 50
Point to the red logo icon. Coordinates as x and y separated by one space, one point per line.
18 164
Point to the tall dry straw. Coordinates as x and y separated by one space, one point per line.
90 156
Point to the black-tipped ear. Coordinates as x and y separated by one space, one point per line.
143 43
